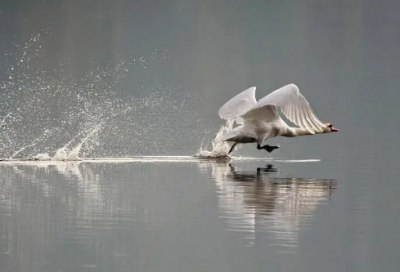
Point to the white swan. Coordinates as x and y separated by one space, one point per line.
259 121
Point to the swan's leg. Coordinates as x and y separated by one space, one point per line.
232 147
269 148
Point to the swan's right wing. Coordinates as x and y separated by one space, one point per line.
293 105
238 105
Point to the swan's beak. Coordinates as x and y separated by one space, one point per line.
334 129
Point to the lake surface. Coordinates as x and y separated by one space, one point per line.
121 79
188 215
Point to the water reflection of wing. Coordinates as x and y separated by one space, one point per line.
255 200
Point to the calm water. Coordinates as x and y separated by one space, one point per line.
198 216
128 78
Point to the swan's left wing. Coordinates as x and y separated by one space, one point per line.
238 105
293 105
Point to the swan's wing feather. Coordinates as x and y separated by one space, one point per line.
238 105
293 105
232 134
238 133
264 113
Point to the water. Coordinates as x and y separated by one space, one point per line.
158 214
109 150
180 209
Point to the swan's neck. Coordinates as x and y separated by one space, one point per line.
293 132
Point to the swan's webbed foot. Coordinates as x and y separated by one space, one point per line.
268 148
272 148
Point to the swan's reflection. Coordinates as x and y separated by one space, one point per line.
257 201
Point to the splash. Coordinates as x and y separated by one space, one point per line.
3 120
65 154
43 137
45 107
219 149
113 111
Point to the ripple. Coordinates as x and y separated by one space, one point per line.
256 202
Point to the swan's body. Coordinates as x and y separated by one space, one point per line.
259 121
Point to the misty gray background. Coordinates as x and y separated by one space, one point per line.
344 57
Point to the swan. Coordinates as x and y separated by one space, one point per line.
260 120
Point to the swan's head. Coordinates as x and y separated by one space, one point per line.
331 128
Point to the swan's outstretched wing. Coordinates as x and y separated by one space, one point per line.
293 105
238 105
